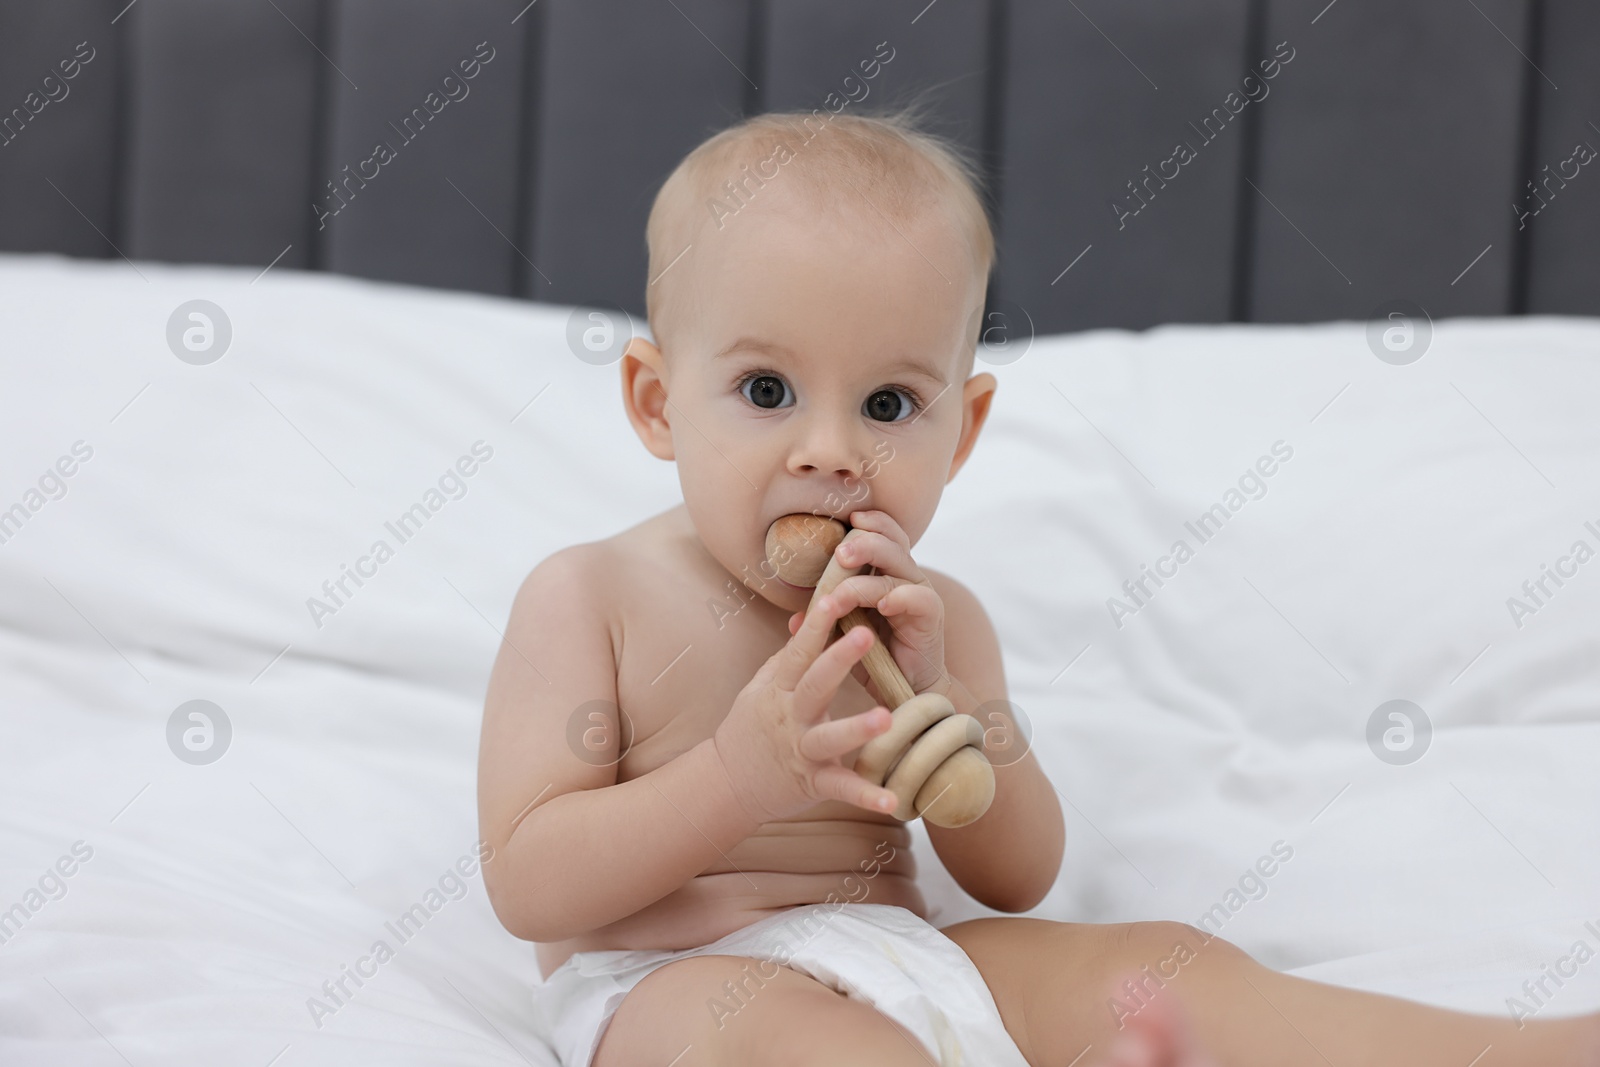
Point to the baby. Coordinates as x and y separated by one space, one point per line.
668 740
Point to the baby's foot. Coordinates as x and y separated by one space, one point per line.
1158 1035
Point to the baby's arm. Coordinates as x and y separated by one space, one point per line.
1008 859
573 849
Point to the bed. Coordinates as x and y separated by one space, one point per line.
1352 726
180 889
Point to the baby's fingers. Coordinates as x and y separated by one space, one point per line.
806 644
833 738
833 782
816 688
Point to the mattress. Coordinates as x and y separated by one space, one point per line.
1354 727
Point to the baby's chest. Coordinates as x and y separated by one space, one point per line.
678 676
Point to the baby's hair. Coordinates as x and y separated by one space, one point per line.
887 162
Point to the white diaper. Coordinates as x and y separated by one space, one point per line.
883 954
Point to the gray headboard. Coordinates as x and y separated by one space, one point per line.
1150 161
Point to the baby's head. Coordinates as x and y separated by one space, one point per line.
816 290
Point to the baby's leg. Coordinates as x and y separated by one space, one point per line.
790 1020
1053 981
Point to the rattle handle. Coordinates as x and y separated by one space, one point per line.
881 667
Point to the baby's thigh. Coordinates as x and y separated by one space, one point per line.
712 1011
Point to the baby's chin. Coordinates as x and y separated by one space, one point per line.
792 592
780 593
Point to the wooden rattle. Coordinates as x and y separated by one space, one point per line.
931 758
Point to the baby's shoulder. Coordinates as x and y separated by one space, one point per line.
591 579
580 576
958 599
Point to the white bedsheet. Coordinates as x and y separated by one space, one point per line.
1226 715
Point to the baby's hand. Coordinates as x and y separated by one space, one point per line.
780 749
900 592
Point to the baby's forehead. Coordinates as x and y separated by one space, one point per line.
806 256
831 274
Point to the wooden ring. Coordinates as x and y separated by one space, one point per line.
878 755
937 744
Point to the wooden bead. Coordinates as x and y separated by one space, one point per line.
800 546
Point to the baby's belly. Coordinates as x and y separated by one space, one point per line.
782 865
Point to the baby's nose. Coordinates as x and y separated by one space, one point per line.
827 452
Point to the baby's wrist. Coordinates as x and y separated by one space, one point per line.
722 782
944 685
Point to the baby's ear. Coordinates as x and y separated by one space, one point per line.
644 396
975 397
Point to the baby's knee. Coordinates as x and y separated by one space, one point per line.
1161 949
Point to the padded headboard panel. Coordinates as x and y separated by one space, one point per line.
1142 166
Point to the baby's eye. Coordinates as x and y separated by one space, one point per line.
891 404
765 391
